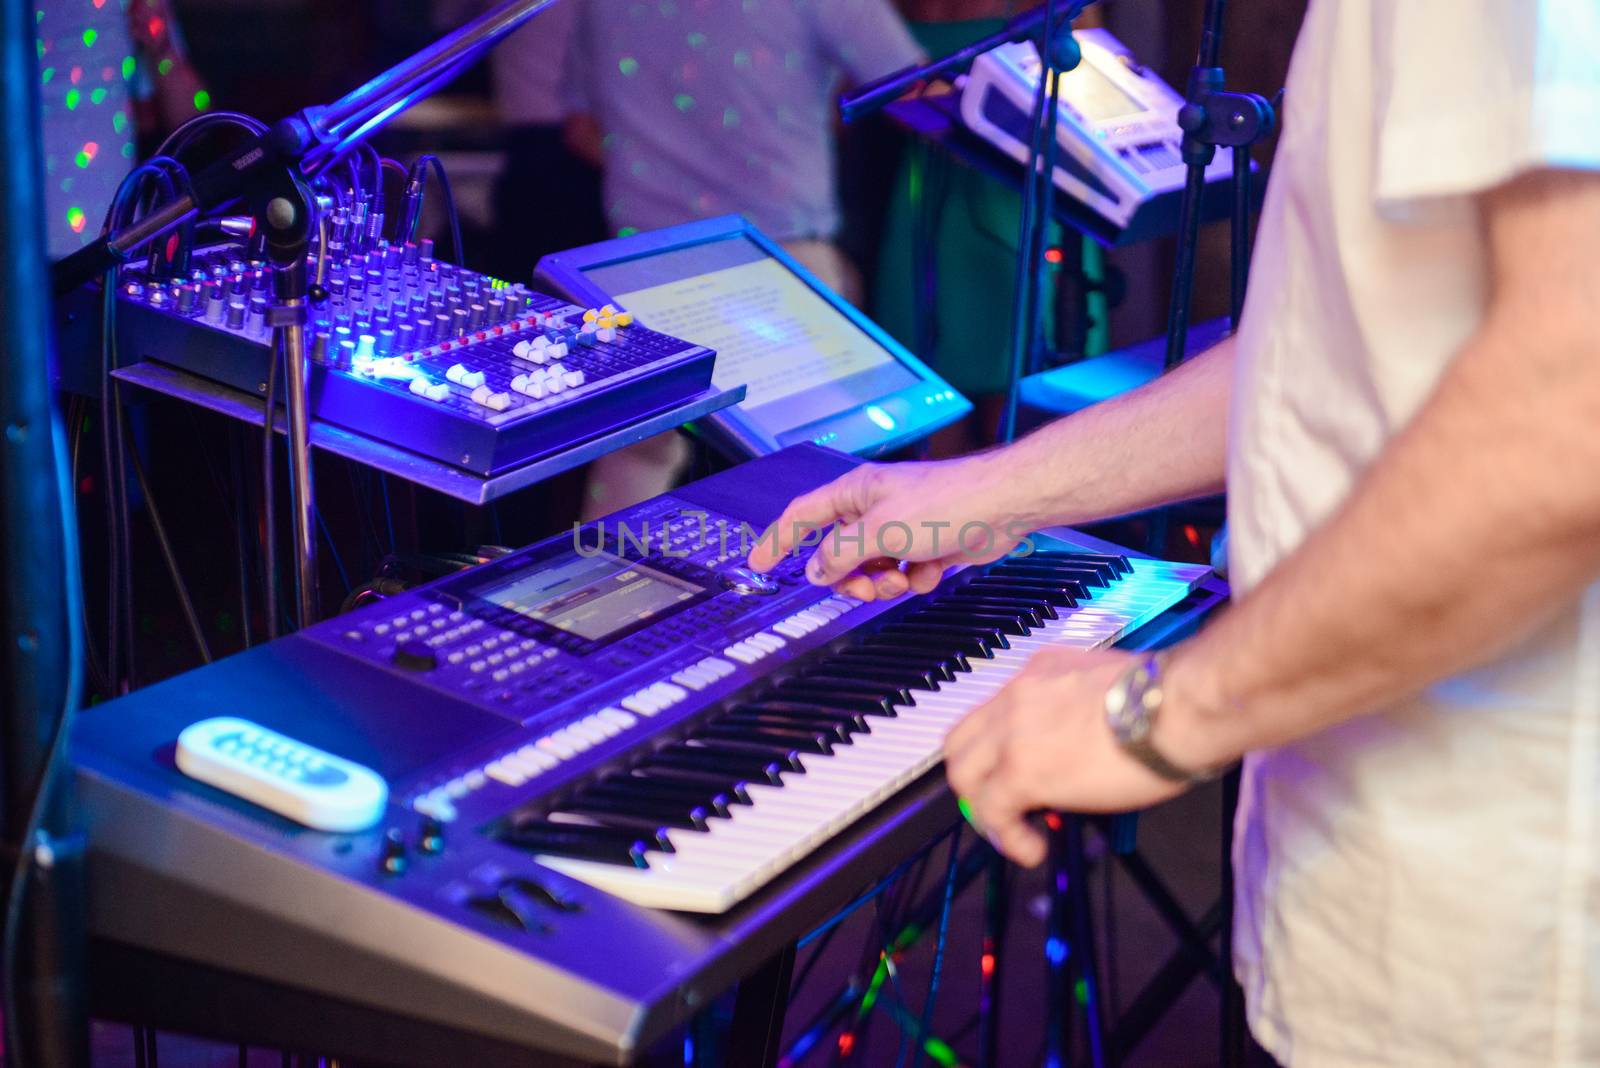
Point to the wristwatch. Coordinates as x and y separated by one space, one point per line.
1132 705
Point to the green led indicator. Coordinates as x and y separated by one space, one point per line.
90 36
73 96
628 66
202 100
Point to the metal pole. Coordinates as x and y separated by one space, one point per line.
302 494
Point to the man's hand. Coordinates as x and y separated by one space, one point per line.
1043 743
932 516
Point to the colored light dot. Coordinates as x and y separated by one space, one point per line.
87 154
39 46
76 219
683 101
164 67
127 150
202 100
628 66
107 73
75 75
90 36
46 75
730 117
627 231
97 97
697 39
119 121
73 96
156 25
129 65
38 16
741 58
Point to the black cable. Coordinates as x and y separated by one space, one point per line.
419 167
139 1060
185 602
269 550
921 1037
55 753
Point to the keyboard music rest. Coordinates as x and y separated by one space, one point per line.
201 885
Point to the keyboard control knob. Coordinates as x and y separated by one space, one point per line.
747 583
431 837
392 860
415 656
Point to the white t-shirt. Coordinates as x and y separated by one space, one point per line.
1420 886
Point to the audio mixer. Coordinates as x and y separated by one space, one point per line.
468 802
408 349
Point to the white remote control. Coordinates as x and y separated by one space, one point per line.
294 780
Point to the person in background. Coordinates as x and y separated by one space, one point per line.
699 108
972 223
546 197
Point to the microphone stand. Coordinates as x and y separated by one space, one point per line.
269 173
1213 118
1210 119
1050 26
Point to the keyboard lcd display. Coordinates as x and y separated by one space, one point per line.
593 597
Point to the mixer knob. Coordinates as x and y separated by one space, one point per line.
415 656
747 583
425 251
235 314
345 354
392 858
411 252
319 347
497 310
216 306
460 324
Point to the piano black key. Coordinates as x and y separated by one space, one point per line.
649 831
583 843
1006 624
787 757
1087 572
625 787
953 652
1061 595
855 704
734 786
1121 563
936 668
752 767
837 729
909 678
972 641
637 812
805 741
1033 612
856 718
830 683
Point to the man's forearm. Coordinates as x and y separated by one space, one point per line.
1162 443
1480 520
